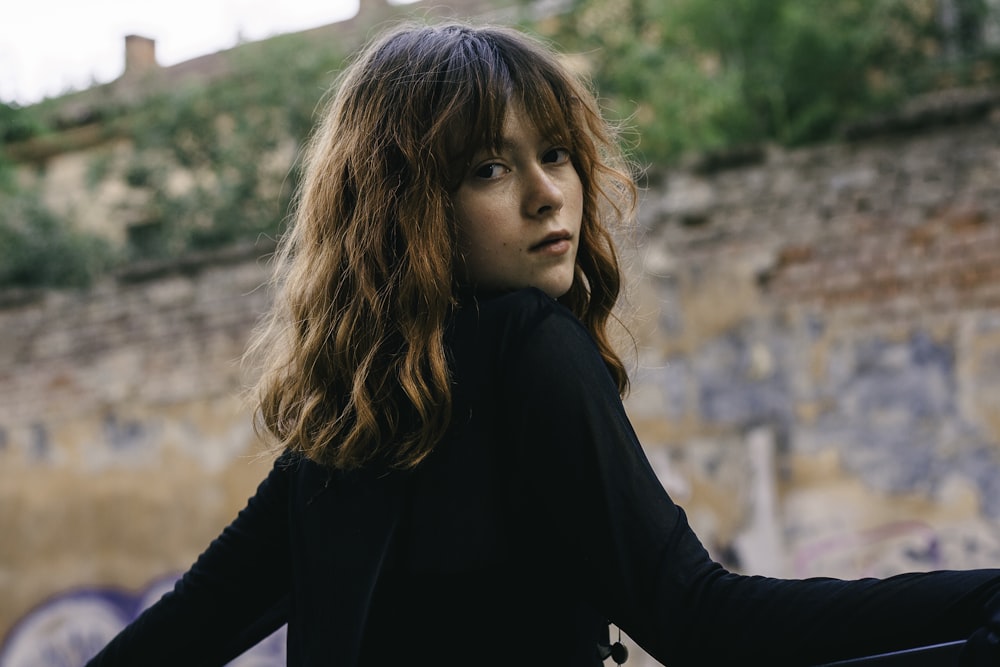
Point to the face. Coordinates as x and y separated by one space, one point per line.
518 211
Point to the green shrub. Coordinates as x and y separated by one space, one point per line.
227 136
692 75
18 123
38 249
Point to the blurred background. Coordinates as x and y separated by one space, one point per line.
814 288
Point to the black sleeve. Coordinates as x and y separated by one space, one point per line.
233 596
648 572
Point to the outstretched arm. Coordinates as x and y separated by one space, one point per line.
650 574
232 597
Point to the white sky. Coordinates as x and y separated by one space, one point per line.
50 46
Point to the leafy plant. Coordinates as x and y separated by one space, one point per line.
214 162
701 74
18 123
39 249
232 144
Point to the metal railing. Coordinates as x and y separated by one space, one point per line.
937 655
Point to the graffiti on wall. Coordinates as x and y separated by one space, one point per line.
881 551
67 630
897 546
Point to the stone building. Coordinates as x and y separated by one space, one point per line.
816 374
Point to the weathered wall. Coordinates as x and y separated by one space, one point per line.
843 304
817 381
124 444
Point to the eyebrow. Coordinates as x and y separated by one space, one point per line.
505 144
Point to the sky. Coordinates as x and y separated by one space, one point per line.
48 47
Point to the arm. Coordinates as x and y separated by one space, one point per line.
632 546
232 597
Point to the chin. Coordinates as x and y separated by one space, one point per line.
557 291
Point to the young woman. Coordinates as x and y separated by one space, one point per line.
458 482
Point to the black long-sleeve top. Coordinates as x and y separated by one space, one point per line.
535 521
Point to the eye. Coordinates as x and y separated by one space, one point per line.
489 171
557 155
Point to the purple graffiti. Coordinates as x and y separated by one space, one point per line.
68 629
915 541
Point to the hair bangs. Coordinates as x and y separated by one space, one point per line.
472 114
550 103
490 72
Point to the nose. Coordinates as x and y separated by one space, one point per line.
542 195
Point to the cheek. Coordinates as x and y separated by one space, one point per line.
579 194
478 243
472 237
464 225
477 226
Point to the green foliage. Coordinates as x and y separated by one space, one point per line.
693 75
212 163
8 182
38 249
231 145
98 169
18 123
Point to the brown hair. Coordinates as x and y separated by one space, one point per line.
353 358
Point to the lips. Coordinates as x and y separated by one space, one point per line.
556 241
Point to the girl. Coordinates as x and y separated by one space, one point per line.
458 482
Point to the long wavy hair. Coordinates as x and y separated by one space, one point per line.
353 364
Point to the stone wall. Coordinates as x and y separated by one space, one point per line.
843 304
817 380
124 444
